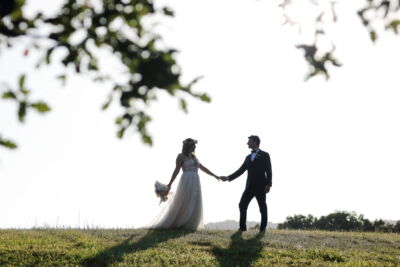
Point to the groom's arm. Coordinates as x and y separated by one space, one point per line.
268 170
239 172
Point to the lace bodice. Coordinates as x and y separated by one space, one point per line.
190 164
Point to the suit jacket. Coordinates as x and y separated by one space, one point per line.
259 173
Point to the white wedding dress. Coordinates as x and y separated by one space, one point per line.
184 210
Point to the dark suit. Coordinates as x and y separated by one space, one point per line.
259 175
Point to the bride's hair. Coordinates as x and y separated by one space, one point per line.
187 148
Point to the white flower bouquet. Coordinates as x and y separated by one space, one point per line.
162 191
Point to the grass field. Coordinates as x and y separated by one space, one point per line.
140 247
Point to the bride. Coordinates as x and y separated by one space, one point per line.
185 208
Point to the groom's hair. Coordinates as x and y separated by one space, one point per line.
255 138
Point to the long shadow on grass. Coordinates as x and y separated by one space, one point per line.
241 252
116 253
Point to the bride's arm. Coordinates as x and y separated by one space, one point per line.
179 162
204 169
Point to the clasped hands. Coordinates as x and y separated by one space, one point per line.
223 178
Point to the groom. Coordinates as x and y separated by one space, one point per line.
259 181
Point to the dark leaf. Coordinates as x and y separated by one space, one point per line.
7 143
107 103
17 12
48 55
147 139
385 5
93 65
119 120
373 35
121 132
24 91
144 119
205 98
168 12
22 111
362 17
309 50
21 81
41 107
9 95
393 25
183 105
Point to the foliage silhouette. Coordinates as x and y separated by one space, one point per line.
373 13
338 221
74 37
81 29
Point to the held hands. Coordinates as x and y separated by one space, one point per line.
217 177
223 178
220 178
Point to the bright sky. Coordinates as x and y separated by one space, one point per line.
334 145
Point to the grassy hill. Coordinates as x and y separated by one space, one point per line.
233 225
140 247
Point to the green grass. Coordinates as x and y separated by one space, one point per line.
140 247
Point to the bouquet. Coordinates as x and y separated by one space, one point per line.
162 191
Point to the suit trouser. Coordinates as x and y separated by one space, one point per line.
247 196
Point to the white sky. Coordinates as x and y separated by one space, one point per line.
334 145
